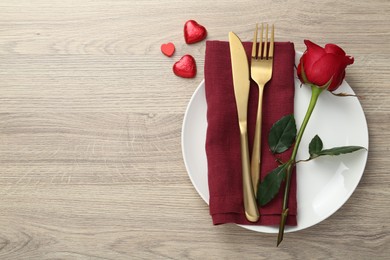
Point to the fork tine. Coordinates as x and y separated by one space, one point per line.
265 43
271 44
254 44
261 42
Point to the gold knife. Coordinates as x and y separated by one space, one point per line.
240 69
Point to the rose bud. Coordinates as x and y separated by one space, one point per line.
324 67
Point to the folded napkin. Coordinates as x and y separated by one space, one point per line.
223 134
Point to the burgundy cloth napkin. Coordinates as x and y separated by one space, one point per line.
223 134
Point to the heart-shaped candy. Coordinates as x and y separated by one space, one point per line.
185 67
168 49
194 32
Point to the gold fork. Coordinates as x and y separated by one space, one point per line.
261 73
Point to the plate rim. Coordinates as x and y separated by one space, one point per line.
198 88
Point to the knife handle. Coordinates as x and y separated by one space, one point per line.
250 205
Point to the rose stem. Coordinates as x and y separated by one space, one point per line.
315 93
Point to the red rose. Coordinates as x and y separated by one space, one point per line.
323 64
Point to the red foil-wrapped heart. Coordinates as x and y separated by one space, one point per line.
194 32
185 67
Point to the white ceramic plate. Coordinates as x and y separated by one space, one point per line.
324 184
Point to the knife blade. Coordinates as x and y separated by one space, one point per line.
241 83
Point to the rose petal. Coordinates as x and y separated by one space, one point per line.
333 48
335 84
312 54
348 60
330 65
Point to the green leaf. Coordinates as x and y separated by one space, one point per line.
338 151
269 187
282 134
315 146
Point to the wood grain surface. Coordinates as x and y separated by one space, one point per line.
90 125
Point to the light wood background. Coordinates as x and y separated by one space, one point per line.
90 125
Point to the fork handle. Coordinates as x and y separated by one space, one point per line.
250 205
256 152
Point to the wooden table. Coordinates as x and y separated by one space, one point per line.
90 126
